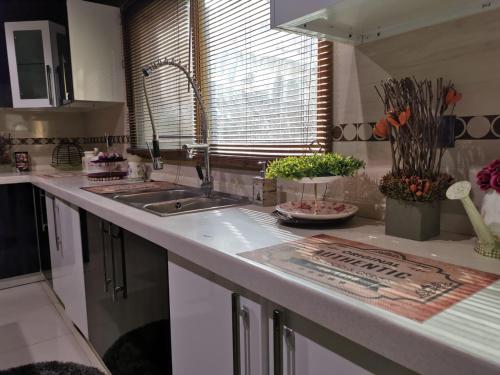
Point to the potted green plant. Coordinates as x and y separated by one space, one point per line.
315 168
414 113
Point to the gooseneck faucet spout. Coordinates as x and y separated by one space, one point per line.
204 146
155 152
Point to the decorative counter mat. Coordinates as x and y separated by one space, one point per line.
130 187
414 287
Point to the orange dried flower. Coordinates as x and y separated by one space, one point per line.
381 128
452 96
427 186
392 121
404 116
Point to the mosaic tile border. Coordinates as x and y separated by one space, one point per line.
31 141
466 127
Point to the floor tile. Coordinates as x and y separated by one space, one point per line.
64 349
30 327
20 299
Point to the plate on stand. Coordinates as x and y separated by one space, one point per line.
324 210
317 180
308 224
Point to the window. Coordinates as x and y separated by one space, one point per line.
264 88
155 29
268 92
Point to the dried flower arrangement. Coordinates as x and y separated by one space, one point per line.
489 177
414 111
5 144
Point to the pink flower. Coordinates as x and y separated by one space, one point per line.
494 166
495 181
483 178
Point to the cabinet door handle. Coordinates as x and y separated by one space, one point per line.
278 342
245 317
118 288
49 84
57 221
290 349
104 236
43 212
235 320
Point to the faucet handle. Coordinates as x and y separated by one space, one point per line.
200 172
262 172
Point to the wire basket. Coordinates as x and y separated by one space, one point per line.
67 155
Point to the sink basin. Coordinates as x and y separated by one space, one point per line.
193 204
140 199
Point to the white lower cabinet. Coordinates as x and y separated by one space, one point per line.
213 330
217 331
63 221
200 323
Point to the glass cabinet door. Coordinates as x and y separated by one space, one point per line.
30 63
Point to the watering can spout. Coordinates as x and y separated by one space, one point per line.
487 244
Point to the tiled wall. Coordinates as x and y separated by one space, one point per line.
37 132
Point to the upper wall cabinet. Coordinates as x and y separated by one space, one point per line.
96 47
362 21
38 61
74 56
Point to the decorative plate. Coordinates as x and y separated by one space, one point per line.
326 210
317 180
307 223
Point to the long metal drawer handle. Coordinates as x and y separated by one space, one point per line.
245 317
118 288
235 320
290 349
43 213
104 234
57 220
278 342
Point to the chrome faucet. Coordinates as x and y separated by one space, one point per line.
155 152
204 146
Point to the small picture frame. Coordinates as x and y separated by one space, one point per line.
22 160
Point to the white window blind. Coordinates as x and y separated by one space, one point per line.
152 30
265 90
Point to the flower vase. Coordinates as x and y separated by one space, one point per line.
417 221
490 211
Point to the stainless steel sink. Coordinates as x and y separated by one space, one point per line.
144 198
177 201
193 204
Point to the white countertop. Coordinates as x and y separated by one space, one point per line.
464 339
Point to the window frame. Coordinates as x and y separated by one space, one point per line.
238 161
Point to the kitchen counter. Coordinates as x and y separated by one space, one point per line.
463 339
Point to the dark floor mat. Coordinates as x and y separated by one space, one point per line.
52 368
145 351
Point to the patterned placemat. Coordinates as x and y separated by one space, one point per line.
414 287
